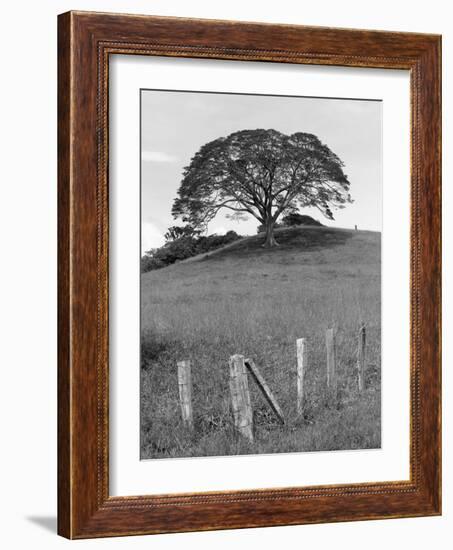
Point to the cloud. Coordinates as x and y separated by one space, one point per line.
151 237
157 156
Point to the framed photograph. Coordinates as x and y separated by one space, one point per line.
249 275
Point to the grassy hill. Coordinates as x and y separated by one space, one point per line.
253 301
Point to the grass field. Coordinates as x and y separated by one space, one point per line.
257 302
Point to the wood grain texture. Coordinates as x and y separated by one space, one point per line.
264 389
185 393
331 352
361 359
241 407
64 367
85 42
302 365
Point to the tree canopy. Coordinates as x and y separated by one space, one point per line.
264 173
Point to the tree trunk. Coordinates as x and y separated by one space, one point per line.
270 241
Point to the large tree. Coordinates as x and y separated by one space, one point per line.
263 173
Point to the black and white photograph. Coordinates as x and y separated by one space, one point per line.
260 269
225 275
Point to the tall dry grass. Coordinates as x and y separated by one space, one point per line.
257 302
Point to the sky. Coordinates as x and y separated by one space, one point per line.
176 124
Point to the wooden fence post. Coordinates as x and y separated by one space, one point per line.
240 397
301 347
265 390
185 393
331 365
361 358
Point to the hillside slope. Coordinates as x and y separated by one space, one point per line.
253 301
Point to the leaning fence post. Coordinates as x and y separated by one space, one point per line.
264 388
240 397
361 358
185 393
301 346
331 365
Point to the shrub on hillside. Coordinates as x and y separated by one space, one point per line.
184 247
261 228
295 219
211 242
148 262
292 220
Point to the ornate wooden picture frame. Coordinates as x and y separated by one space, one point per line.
85 42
